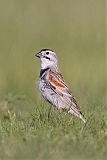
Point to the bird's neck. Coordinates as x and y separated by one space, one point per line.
48 64
53 68
45 65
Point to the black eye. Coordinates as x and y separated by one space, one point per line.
47 53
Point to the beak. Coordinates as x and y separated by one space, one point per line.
38 55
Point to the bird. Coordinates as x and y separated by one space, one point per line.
53 87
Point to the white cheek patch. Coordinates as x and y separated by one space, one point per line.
45 63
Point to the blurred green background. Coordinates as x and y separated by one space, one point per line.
74 29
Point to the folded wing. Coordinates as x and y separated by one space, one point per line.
60 87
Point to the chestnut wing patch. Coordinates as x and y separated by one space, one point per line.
58 84
55 82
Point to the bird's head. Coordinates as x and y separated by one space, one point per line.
48 58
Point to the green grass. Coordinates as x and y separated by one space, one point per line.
38 131
29 127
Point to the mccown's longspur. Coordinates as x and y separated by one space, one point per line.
53 86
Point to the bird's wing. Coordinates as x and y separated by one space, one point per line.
57 82
59 86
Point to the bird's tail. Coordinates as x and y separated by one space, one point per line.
77 113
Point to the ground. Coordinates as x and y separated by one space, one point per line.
32 131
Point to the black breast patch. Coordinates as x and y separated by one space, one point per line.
43 71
